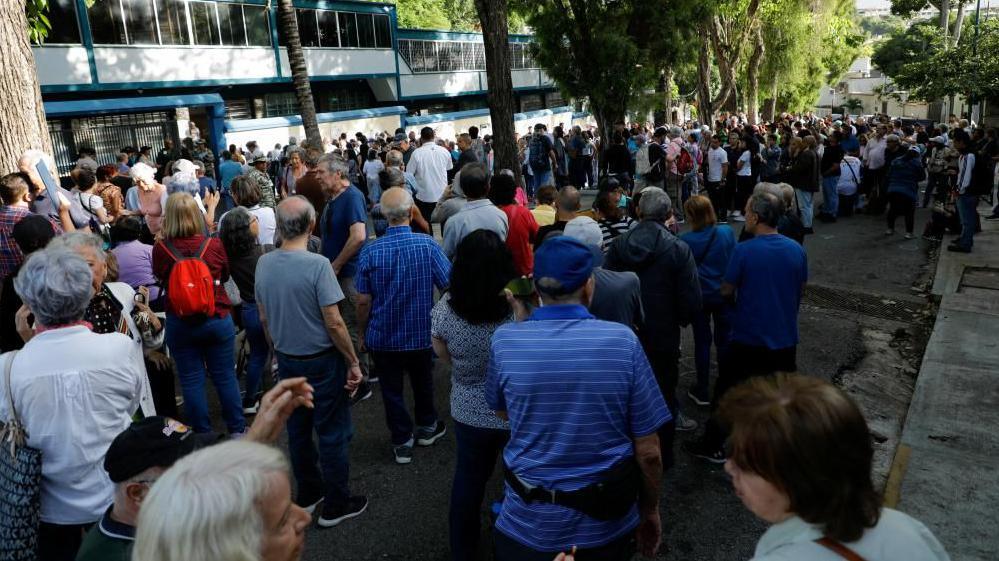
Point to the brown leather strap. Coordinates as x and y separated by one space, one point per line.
839 549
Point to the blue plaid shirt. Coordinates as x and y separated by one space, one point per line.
400 270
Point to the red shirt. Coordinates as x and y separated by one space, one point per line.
214 257
520 238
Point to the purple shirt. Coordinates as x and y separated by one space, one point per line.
135 266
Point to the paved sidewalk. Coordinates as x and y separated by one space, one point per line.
946 469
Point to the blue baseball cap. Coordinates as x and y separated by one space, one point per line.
562 265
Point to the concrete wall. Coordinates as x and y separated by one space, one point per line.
123 63
268 136
434 84
337 62
62 65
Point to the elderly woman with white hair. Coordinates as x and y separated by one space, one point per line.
149 195
74 391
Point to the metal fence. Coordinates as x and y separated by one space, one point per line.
106 135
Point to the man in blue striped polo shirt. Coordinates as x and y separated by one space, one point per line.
584 408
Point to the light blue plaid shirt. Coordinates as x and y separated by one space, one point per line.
400 270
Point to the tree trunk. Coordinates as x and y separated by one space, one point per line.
668 95
705 111
299 73
945 20
958 24
22 116
493 18
753 79
770 105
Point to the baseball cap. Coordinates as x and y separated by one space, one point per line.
152 442
562 265
259 159
400 136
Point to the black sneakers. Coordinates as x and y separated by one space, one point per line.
332 516
363 392
426 436
308 505
700 449
403 453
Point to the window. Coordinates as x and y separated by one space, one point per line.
329 35
366 30
383 32
308 32
345 98
452 56
238 109
530 103
554 99
257 25
348 30
140 22
173 22
280 105
204 23
106 26
231 24
62 16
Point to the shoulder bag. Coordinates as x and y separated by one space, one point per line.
20 484
839 549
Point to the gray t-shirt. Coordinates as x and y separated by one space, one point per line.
294 287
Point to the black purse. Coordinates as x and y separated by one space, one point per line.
20 485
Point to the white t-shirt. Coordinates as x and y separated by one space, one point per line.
266 223
747 165
429 164
717 158
371 169
849 176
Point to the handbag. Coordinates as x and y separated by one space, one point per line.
20 485
839 549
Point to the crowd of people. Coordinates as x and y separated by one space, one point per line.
561 327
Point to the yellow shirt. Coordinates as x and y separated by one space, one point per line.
544 215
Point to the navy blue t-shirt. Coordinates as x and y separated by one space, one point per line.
341 213
768 273
712 260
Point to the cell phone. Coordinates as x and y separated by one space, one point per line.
139 297
521 286
51 188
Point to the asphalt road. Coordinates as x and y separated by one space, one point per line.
702 519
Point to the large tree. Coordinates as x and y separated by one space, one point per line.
493 19
299 72
22 116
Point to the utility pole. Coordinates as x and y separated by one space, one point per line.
945 29
975 103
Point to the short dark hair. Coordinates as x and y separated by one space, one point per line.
502 189
126 229
246 190
426 133
475 180
546 194
85 179
13 187
473 131
483 265
391 177
105 172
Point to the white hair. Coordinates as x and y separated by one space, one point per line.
72 241
56 286
399 211
184 179
32 156
207 505
143 172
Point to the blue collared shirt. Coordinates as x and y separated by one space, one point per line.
578 392
400 270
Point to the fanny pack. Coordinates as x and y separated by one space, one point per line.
611 498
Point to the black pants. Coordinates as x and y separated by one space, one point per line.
847 204
716 192
877 200
508 549
477 450
901 205
666 368
740 363
59 542
391 367
743 190
427 209
161 385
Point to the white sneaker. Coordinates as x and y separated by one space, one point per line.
685 424
737 217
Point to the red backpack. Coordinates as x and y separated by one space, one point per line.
685 163
190 288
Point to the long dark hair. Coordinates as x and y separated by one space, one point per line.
235 233
483 265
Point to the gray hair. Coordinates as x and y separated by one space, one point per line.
772 188
767 207
336 164
394 159
56 286
33 156
73 241
400 211
675 132
143 172
655 205
207 505
295 216
892 138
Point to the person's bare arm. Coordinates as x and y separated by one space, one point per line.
338 333
727 291
440 349
355 241
363 307
650 462
276 406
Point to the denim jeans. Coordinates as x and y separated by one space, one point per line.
830 198
666 368
195 346
717 314
391 366
322 473
348 310
538 180
967 209
478 449
805 205
259 349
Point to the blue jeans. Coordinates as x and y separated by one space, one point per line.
478 449
391 366
830 198
324 473
539 179
712 313
195 345
258 348
805 205
967 210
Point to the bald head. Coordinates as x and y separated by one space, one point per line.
295 217
567 203
396 205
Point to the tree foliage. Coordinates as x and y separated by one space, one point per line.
39 25
903 46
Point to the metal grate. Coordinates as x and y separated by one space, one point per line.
107 134
860 303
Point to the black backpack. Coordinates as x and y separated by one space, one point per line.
982 175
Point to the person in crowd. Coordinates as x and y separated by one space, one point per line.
801 461
848 185
298 299
452 201
199 339
258 174
671 296
31 233
612 219
372 167
940 159
479 213
558 475
206 184
15 194
462 324
110 194
246 194
468 155
734 153
617 295
542 161
40 203
344 231
389 178
744 179
967 200
429 164
804 177
149 196
790 223
56 287
716 171
523 229
122 163
135 259
567 205
240 235
711 245
771 155
308 185
396 277
229 169
904 175
544 212
829 166
766 277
